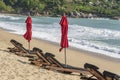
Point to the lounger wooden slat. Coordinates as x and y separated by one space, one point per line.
82 71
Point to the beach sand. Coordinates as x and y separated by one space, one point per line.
13 67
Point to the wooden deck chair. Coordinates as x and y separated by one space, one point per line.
94 71
42 60
106 75
61 67
20 50
111 76
16 44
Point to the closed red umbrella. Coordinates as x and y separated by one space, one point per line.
28 34
64 32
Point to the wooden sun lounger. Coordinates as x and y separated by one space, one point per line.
20 50
61 67
49 62
94 71
42 60
16 44
98 75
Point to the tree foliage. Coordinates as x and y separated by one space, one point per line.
56 7
4 7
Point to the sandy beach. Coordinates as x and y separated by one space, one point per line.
14 67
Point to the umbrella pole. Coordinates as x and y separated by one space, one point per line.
65 57
29 46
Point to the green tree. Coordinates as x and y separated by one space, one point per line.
4 8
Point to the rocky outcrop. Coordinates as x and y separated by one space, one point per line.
116 18
76 14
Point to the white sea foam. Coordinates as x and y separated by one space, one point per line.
9 17
100 18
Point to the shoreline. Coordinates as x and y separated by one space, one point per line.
99 55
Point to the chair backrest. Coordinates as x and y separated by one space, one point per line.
40 54
94 71
53 60
15 43
110 76
19 46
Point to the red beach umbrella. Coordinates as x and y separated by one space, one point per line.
64 32
28 34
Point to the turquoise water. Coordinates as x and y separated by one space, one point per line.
100 35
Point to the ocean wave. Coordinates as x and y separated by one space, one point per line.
89 32
82 37
97 48
9 17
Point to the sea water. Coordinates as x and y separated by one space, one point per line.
101 35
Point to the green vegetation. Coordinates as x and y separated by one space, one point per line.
104 8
